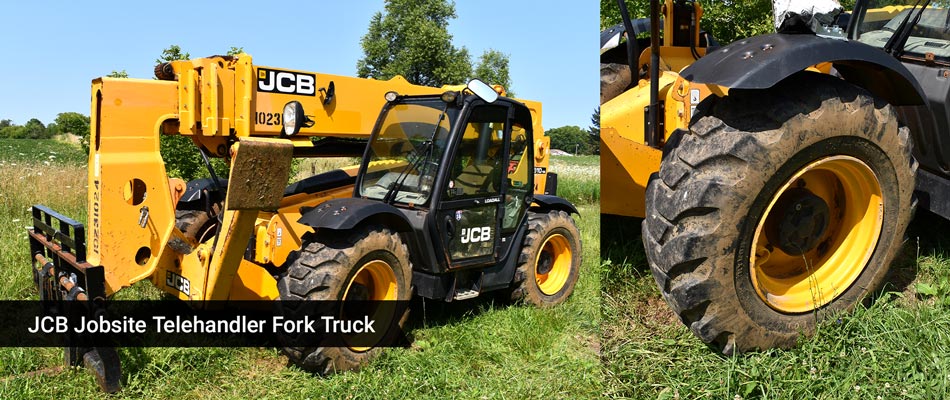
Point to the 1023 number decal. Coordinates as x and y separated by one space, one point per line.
266 118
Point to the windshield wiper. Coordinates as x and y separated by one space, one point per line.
895 45
400 180
426 155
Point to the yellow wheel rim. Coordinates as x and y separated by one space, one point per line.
375 280
378 279
552 265
794 273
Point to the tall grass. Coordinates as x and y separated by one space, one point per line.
578 178
897 346
44 172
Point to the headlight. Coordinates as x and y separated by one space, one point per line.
391 96
293 118
449 96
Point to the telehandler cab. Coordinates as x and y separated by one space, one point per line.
776 175
452 198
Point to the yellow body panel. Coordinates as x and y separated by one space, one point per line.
626 161
282 233
128 187
253 283
626 166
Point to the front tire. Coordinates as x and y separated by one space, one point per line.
549 261
779 207
370 263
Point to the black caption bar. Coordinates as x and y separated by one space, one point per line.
203 324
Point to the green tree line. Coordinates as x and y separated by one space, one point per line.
65 123
725 20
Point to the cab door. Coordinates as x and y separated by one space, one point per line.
471 212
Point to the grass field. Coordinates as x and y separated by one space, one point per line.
578 178
897 347
479 348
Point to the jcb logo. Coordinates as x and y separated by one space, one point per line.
475 235
179 282
275 81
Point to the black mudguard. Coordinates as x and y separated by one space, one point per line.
342 214
197 189
555 203
762 61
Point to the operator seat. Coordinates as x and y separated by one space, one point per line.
478 178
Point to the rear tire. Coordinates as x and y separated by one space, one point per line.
715 208
332 267
196 226
549 261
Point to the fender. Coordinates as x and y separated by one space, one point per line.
762 61
556 203
342 214
196 190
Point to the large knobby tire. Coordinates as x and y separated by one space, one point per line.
196 226
778 207
331 266
549 261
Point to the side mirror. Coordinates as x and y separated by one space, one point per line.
482 90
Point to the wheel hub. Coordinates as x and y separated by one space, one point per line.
553 264
545 262
815 239
800 222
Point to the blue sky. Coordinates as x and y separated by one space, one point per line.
50 51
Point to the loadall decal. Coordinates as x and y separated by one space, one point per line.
277 81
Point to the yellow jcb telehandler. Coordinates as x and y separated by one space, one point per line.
452 198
